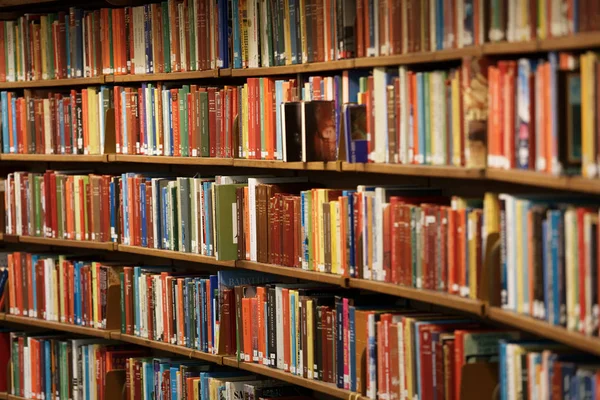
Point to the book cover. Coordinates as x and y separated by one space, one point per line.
318 131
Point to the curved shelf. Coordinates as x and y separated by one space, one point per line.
184 351
541 328
123 158
318 386
294 69
96 158
81 244
292 272
164 76
59 326
545 180
97 80
175 255
443 299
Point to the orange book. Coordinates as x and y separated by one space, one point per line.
246 326
19 279
269 131
180 330
493 115
458 361
509 114
176 130
393 383
262 351
381 381
85 117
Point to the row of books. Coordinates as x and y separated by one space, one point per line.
69 123
554 276
63 289
61 205
47 366
543 369
170 379
171 36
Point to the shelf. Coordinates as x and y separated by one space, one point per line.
2 316
58 326
293 165
82 244
172 76
443 299
294 69
298 273
417 58
3 395
543 329
545 180
174 255
415 170
99 158
184 351
10 238
97 80
212 161
318 386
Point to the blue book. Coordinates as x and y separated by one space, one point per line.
420 114
213 297
137 272
113 210
371 48
173 373
148 381
13 128
524 116
198 325
5 127
148 39
204 309
237 43
352 347
170 103
503 370
48 372
546 273
558 299
304 223
439 25
468 38
556 168
350 245
3 279
224 34
86 371
355 133
204 389
153 136
77 64
143 216
125 215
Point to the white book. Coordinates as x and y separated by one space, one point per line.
252 183
511 20
139 40
47 127
10 51
264 37
540 151
380 78
253 51
27 369
18 205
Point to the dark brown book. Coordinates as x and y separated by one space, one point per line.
304 335
329 363
227 343
569 100
534 221
262 236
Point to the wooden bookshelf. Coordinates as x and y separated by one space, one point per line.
337 65
318 386
3 395
443 299
291 272
543 329
83 158
181 350
123 158
545 180
81 330
2 316
97 80
158 77
175 255
81 244
416 170
13 397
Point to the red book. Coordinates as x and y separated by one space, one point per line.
5 358
458 362
29 270
176 123
39 289
393 384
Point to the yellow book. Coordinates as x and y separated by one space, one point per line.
542 22
310 356
131 373
245 121
44 45
94 270
491 209
334 211
195 382
588 115
61 288
286 33
456 125
303 33
571 268
521 238
473 239
94 134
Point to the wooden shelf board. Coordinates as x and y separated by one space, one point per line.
82 244
106 334
443 299
123 158
294 69
184 351
416 58
507 48
174 76
273 164
293 272
100 158
543 329
174 255
10 238
97 80
2 316
318 386
584 40
3 395
545 180
416 170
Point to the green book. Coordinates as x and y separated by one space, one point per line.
183 121
263 141
37 199
122 281
64 366
204 132
226 221
166 29
16 367
192 39
183 205
175 217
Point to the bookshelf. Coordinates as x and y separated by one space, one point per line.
479 309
